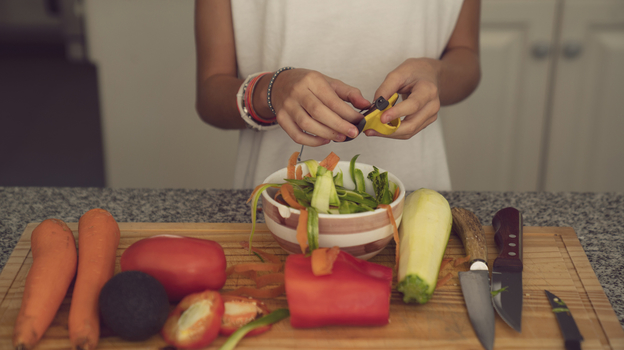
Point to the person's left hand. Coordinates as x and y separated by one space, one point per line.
416 80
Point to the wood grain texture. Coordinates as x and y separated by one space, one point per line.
553 260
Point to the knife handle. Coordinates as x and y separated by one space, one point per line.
508 237
469 229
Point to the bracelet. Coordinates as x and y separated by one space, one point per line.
270 87
249 91
244 108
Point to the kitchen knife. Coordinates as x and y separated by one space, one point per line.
475 284
507 267
570 331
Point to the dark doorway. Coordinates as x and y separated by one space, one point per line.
50 132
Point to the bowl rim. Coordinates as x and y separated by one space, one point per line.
393 204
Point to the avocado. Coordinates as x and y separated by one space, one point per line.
134 305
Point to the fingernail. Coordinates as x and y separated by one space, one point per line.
353 133
340 138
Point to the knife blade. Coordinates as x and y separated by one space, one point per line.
475 284
507 267
570 331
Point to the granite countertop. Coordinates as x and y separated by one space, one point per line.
597 218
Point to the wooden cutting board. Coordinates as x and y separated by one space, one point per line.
553 260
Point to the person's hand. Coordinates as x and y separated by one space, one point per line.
311 107
416 80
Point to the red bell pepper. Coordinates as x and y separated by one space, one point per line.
195 322
356 293
239 311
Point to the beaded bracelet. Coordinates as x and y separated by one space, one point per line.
270 87
244 108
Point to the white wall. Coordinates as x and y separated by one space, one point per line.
145 54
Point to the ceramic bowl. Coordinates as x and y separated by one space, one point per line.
362 234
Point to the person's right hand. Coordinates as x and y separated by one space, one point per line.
311 107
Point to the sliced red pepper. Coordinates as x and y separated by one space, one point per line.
356 293
195 322
239 311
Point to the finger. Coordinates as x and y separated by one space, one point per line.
324 110
297 118
350 94
338 113
393 82
415 123
422 93
297 134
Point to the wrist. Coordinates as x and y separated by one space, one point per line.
244 100
260 103
434 67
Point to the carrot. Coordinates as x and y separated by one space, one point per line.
253 193
323 259
445 262
299 173
277 194
98 239
53 269
302 230
290 169
330 161
397 192
395 229
459 261
267 256
257 267
270 278
288 193
444 279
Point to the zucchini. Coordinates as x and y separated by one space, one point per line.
423 236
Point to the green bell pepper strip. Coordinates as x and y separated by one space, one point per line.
271 318
356 197
356 175
352 167
299 183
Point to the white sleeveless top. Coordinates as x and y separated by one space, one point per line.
358 42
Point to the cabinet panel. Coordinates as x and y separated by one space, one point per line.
586 149
494 138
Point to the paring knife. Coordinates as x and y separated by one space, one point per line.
507 267
570 331
475 284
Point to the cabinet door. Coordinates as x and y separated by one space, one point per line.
494 138
586 149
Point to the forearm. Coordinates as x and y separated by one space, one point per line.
459 73
216 102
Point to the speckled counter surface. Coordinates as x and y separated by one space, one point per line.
597 218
